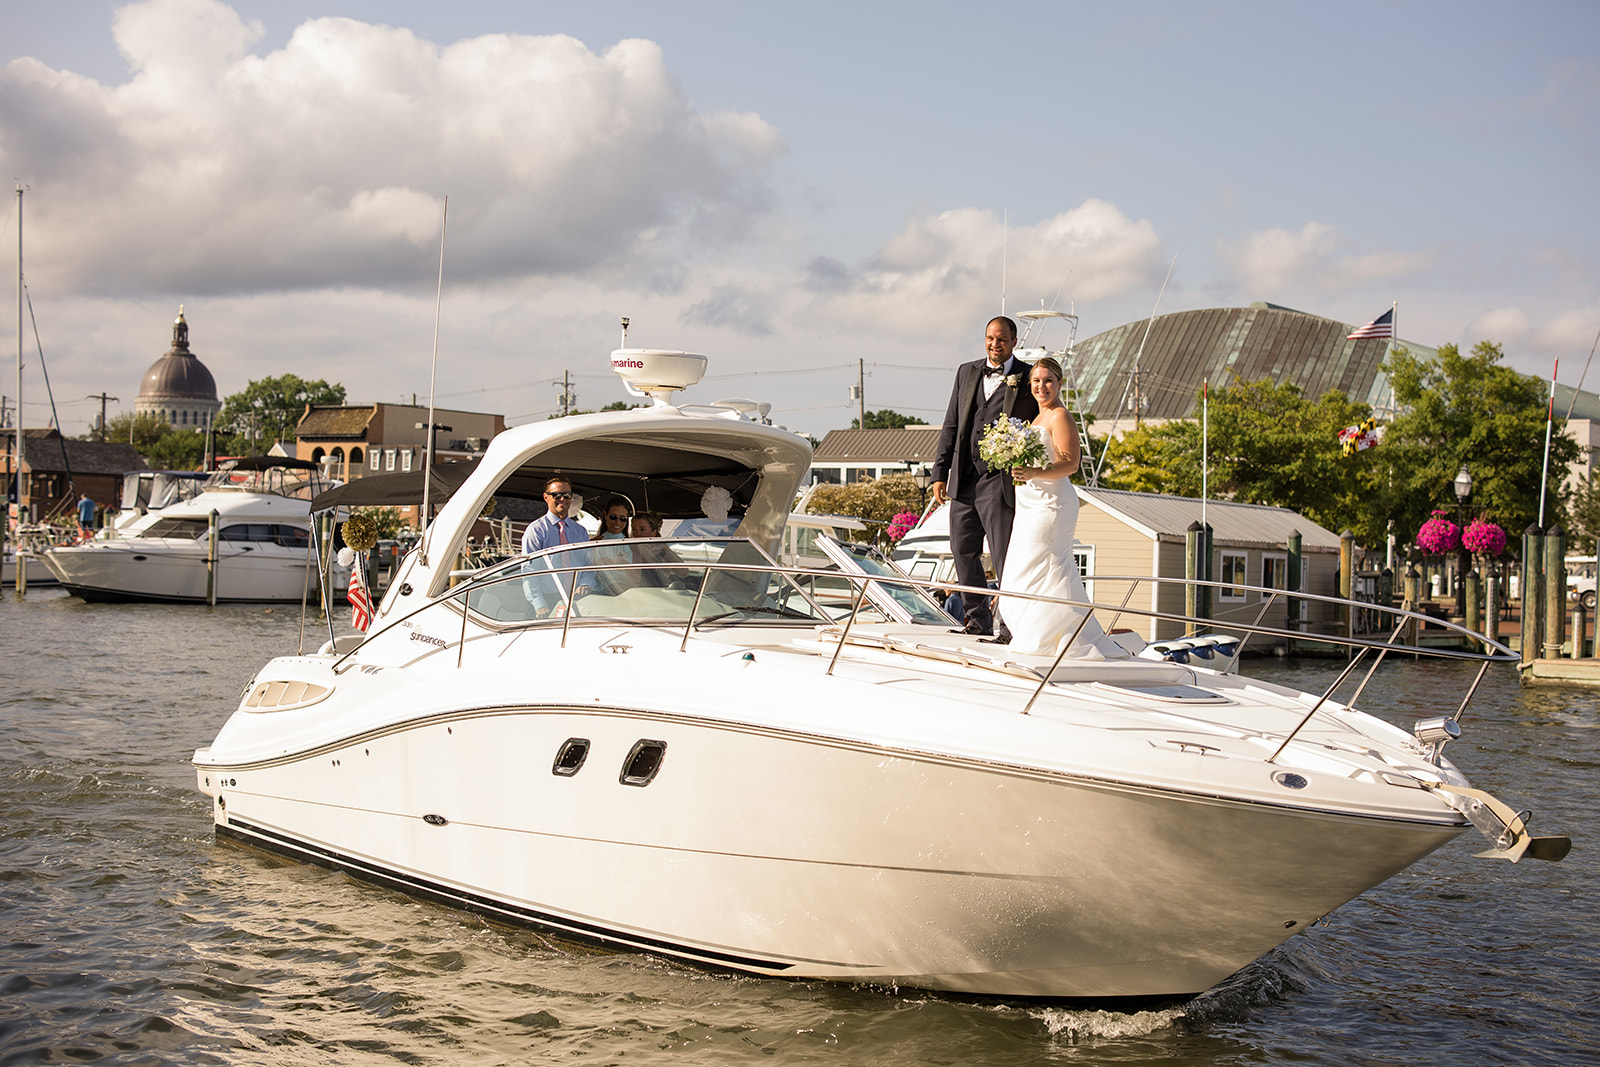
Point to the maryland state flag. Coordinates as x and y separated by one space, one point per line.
1360 437
360 601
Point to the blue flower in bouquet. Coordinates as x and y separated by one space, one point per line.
1009 442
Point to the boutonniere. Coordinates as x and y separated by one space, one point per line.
1013 380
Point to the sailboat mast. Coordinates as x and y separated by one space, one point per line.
17 422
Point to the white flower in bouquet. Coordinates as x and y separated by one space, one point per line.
1009 442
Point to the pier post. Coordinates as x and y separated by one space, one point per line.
1555 590
211 559
1580 639
1347 580
1193 546
1411 586
20 561
1295 610
1532 592
1469 593
1491 600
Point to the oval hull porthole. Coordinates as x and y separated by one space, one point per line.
643 762
570 757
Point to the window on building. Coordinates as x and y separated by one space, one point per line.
1083 556
317 454
1275 570
405 458
356 458
1234 576
375 458
388 459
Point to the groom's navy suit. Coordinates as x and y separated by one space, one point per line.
982 502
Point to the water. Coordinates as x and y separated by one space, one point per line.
128 936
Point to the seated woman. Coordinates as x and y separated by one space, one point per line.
613 527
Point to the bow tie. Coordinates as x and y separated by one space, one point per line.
990 370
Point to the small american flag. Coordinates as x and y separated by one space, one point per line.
360 602
1382 326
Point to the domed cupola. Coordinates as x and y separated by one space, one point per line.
178 389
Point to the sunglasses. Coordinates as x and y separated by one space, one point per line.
559 496
617 518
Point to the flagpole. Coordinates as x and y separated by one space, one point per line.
1205 446
1549 423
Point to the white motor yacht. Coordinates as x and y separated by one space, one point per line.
704 762
262 553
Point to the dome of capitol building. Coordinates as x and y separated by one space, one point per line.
178 389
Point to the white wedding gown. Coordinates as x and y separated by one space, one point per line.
1039 560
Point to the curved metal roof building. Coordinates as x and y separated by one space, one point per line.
1123 372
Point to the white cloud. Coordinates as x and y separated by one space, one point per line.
325 163
1503 326
1268 262
941 274
1569 334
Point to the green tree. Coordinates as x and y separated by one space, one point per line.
615 405
1583 515
876 501
1465 410
269 409
1265 444
140 430
176 450
1155 459
886 420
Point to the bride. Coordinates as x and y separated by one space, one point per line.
1039 559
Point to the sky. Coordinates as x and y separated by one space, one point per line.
802 192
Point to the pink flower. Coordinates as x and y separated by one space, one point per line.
1439 535
902 524
1484 538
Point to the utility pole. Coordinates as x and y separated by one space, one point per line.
568 399
103 398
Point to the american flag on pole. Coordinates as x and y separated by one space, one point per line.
360 602
1382 326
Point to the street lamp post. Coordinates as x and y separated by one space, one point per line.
1463 486
923 477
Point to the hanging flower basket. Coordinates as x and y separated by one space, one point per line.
1439 536
901 525
1484 538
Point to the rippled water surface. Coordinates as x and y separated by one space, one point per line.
127 935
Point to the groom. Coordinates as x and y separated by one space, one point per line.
982 502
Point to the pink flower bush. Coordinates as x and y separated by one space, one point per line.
1484 538
901 525
1439 535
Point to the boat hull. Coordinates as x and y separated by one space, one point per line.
152 569
778 853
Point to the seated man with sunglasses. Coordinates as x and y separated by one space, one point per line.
552 529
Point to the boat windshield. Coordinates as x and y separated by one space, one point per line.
647 580
180 529
300 483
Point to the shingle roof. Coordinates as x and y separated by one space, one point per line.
335 422
914 444
1162 516
50 453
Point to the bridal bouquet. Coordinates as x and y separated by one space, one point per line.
1009 442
